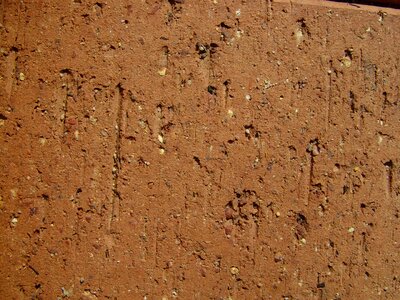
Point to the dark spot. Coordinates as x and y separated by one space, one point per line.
321 285
197 160
212 90
223 25
301 220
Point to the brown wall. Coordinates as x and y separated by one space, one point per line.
198 150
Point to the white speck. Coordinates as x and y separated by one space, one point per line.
298 34
162 151
76 135
230 113
42 141
248 97
14 221
162 72
238 12
351 230
160 138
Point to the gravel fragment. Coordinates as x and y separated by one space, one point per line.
234 271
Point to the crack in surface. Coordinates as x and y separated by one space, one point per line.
116 195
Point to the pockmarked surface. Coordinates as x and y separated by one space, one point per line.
198 150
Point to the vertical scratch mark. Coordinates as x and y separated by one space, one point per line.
389 177
269 10
116 196
156 245
313 150
66 74
310 179
226 93
329 100
12 71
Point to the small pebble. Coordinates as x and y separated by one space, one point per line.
160 138
248 97
14 221
230 113
42 141
162 72
76 135
351 230
234 271
21 76
162 151
346 61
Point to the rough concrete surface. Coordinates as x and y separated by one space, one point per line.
214 149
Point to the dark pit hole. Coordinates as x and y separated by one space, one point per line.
363 205
213 47
345 189
223 25
45 197
197 160
130 138
321 285
348 53
389 164
175 2
301 219
66 71
212 90
100 5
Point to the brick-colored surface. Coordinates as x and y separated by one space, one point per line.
198 150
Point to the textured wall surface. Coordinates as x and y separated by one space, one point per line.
155 149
